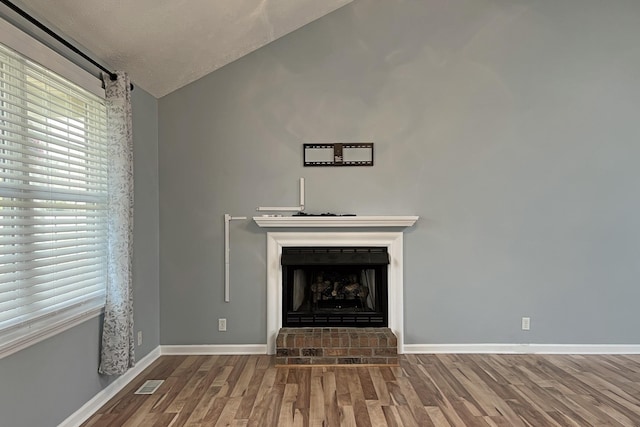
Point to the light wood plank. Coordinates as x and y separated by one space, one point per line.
425 390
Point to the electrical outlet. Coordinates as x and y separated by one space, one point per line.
139 338
222 325
526 323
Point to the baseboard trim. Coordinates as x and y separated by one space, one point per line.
173 350
92 406
523 348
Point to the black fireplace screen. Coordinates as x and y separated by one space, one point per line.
324 287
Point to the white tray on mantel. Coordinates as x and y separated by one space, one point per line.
336 221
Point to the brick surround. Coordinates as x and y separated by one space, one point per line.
336 346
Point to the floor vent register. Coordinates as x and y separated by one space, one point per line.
149 387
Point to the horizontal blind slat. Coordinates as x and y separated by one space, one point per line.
52 227
58 161
14 115
16 132
45 238
39 292
8 263
23 250
15 84
65 195
29 179
41 205
78 218
43 275
15 67
21 222
18 137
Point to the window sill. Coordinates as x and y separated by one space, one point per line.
39 331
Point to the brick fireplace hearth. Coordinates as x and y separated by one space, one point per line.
336 346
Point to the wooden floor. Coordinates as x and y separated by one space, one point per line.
426 390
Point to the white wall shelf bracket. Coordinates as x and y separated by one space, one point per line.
227 252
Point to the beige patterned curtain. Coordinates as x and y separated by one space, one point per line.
117 354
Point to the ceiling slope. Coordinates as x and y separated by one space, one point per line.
166 44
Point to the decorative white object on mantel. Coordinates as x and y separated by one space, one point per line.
335 221
287 208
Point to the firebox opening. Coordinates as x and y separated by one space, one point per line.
324 287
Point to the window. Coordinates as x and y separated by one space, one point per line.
53 202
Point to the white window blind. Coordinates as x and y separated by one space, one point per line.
53 201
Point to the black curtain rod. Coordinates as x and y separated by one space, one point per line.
65 43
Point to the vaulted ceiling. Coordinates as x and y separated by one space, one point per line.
166 44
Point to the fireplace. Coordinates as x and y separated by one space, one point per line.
279 241
334 286
334 231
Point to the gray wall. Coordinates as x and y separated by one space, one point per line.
510 127
45 383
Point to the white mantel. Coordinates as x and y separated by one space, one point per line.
351 236
271 221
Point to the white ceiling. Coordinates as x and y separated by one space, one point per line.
166 44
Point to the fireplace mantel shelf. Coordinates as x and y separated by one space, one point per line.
335 221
